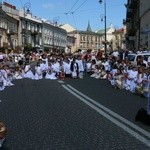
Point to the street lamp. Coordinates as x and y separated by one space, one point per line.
27 8
105 42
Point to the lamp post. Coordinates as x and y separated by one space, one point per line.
105 42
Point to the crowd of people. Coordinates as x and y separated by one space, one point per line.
115 67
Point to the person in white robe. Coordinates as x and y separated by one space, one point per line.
112 74
6 78
18 73
132 75
55 67
28 71
44 68
67 69
74 69
51 74
38 72
138 81
80 65
148 106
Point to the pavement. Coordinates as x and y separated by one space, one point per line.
42 115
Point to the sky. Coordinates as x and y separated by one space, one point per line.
77 13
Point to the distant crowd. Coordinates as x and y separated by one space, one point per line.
115 67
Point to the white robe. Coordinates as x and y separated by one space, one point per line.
50 74
28 73
38 73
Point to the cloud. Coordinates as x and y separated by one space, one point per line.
48 6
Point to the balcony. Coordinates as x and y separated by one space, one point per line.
133 4
11 32
34 32
129 13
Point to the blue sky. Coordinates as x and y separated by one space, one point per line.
76 12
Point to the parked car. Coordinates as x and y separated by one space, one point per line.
133 57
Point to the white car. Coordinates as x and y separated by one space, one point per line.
132 57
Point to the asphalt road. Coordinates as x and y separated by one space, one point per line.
73 114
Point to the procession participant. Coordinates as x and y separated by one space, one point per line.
80 65
51 74
74 68
112 74
67 69
148 106
2 133
6 78
38 71
18 74
145 83
103 72
89 67
132 75
44 68
138 81
93 66
96 73
99 55
28 71
119 78
61 74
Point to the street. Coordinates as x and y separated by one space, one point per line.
71 114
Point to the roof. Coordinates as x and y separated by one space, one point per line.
102 31
121 30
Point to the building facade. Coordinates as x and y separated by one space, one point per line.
145 24
118 40
138 24
8 31
19 28
54 38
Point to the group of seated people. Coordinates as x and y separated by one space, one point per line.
122 75
45 68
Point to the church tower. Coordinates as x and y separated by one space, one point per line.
89 27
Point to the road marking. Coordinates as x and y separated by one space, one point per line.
112 113
60 81
121 125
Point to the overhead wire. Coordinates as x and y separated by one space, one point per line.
80 6
73 5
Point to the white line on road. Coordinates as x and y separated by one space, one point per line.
121 125
61 81
112 113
